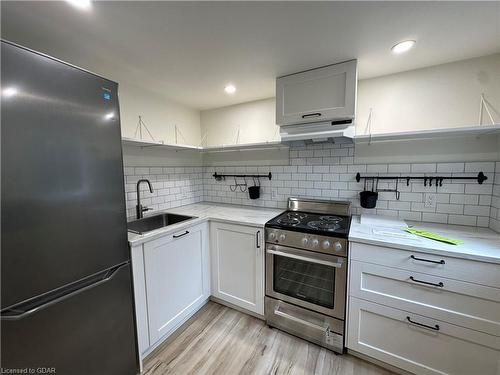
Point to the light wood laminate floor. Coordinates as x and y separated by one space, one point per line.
223 341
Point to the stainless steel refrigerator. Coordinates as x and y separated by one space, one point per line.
66 289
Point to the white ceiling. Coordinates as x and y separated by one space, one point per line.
188 51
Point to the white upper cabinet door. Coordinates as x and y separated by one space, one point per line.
317 95
177 280
238 265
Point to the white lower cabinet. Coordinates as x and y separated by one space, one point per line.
176 279
387 334
172 276
424 313
237 265
171 282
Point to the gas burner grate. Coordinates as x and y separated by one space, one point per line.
298 215
289 220
323 225
331 218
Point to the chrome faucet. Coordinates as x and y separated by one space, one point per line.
139 209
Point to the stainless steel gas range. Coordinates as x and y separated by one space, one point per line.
306 270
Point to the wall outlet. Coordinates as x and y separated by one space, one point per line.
274 193
430 200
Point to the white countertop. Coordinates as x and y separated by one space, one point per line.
480 244
253 216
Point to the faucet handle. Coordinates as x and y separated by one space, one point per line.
144 209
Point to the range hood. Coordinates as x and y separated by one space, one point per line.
319 132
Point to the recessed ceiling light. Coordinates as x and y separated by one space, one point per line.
230 89
9 91
402 47
80 4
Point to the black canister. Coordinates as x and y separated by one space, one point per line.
254 191
367 198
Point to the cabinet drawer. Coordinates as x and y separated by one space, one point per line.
465 304
453 268
386 334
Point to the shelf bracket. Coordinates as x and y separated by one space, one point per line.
484 106
139 127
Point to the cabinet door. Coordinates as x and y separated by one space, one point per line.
177 284
317 95
420 344
238 265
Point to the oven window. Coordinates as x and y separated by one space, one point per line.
311 282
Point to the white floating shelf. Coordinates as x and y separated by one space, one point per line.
245 146
383 137
147 144
430 134
220 148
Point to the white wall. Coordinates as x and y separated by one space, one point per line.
472 148
153 157
160 115
256 121
440 96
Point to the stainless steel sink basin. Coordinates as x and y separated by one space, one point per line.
150 223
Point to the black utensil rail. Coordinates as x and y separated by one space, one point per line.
480 178
219 176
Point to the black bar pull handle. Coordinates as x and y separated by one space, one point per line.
440 284
309 115
427 260
435 328
25 309
180 235
257 239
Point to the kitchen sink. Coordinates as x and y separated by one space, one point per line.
147 224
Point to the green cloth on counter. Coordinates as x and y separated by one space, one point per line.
433 236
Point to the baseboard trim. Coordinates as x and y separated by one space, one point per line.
175 333
384 365
240 309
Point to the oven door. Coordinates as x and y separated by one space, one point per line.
308 279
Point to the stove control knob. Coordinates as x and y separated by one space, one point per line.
315 243
272 236
326 244
337 246
305 241
282 237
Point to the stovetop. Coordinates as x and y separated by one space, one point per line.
313 223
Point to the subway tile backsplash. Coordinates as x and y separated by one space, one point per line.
172 187
327 171
495 201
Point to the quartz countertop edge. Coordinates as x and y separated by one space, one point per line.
480 244
202 212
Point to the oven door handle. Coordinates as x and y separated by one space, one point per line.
298 320
306 259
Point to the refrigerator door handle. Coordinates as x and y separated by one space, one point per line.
30 307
